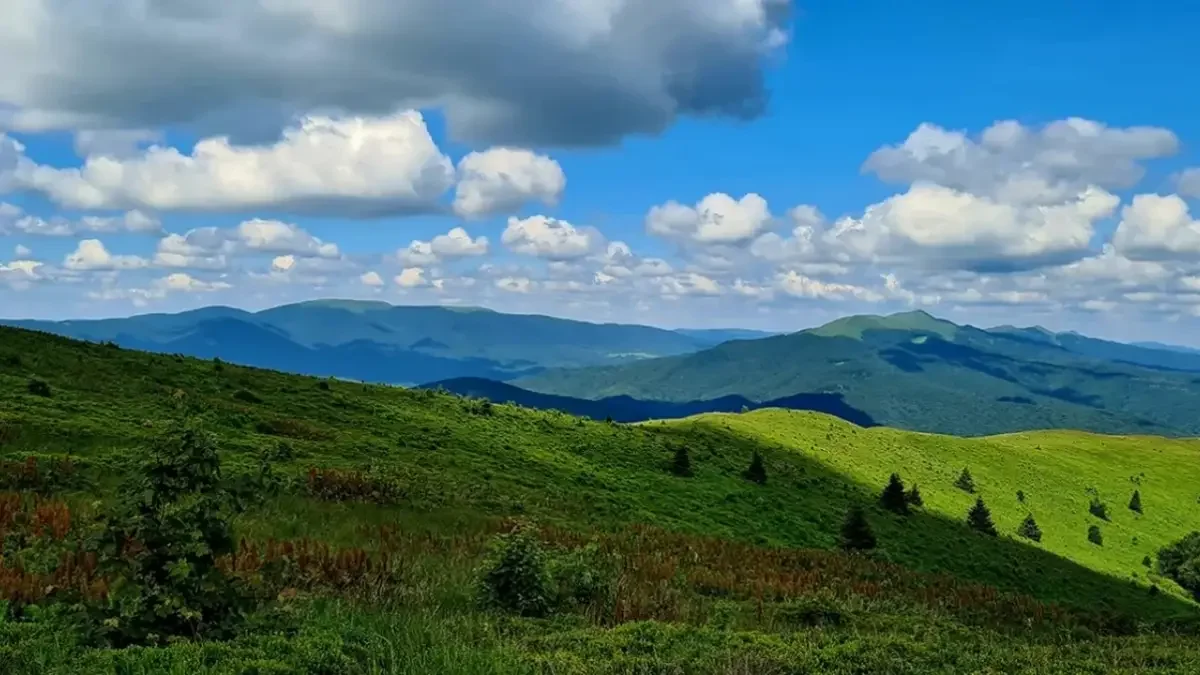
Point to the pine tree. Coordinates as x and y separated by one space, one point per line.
856 531
756 471
1029 529
1095 536
1098 508
1135 502
893 498
1021 496
682 464
980 518
913 496
965 482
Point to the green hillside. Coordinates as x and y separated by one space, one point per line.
915 372
710 573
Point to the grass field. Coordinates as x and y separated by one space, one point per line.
712 573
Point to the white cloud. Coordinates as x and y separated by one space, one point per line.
22 269
514 284
371 279
454 244
323 164
181 282
283 263
1188 182
411 277
550 238
92 255
501 180
273 236
797 285
716 219
208 247
13 220
688 283
22 251
527 72
118 143
1157 227
159 289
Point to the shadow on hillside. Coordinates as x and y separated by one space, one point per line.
927 542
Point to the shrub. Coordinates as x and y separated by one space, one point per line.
246 396
681 465
1095 536
1098 508
39 388
913 496
893 498
965 482
1135 502
1029 529
1021 496
514 578
162 542
582 578
323 385
1181 561
756 472
980 518
1146 562
856 531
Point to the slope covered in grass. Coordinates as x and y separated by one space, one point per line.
717 573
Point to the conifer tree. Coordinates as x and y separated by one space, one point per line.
965 482
893 498
913 496
856 531
1135 502
756 472
1029 529
1095 536
980 518
682 464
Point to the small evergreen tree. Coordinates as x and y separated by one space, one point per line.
965 482
1029 529
756 472
893 498
913 496
1095 536
1135 502
856 531
1098 508
1021 496
682 464
980 518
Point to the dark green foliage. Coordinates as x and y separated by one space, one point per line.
913 496
162 543
681 464
1146 562
965 482
1021 496
757 471
856 532
582 579
1180 561
1098 508
1095 536
1029 529
893 498
1135 502
323 385
12 360
514 577
979 518
39 388
218 365
246 396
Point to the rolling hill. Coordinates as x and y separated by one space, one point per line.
917 372
378 342
715 571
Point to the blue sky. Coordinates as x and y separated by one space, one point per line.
614 131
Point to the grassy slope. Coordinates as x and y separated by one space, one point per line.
464 466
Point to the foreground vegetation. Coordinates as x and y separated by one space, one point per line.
376 529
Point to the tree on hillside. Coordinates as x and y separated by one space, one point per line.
856 531
682 464
1098 508
1029 529
756 472
913 496
893 498
1135 502
1181 561
1095 536
980 518
1021 496
965 482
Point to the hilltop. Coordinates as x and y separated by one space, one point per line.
917 372
445 471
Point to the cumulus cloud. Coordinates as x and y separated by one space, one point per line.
22 251
356 165
91 255
521 72
1014 163
1188 182
454 244
800 286
514 284
371 280
13 220
113 142
1157 227
688 283
550 238
501 180
177 282
716 219
208 247
411 277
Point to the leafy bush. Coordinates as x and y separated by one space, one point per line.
756 472
1180 561
582 578
893 498
514 578
1095 536
965 482
246 396
40 474
39 388
980 518
1098 508
1021 496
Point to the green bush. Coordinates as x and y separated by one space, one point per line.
246 396
1095 536
1180 561
756 472
1098 508
582 578
39 388
515 577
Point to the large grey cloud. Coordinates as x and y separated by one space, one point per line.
505 71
